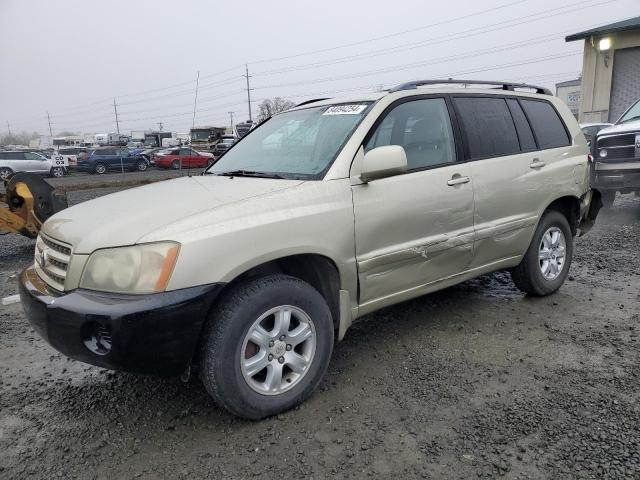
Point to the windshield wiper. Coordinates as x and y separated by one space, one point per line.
248 173
636 117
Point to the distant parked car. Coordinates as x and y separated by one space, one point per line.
590 130
223 145
101 160
14 161
183 158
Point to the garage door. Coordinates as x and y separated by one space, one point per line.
625 88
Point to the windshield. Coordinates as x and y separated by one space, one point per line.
632 114
200 134
294 144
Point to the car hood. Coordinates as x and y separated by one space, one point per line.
628 127
123 218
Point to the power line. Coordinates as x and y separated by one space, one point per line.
443 39
390 35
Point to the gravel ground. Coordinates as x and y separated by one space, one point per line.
476 381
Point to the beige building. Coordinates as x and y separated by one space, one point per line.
610 70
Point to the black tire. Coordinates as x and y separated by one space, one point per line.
608 197
100 168
225 331
527 275
142 165
56 172
175 164
5 173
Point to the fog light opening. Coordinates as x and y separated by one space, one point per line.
97 338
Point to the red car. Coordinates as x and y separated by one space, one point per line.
183 156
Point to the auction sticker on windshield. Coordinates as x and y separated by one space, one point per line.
345 110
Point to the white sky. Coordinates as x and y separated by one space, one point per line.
72 57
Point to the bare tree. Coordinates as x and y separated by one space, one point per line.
21 138
270 107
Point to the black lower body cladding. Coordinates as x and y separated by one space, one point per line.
150 334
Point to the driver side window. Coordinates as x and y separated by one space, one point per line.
422 128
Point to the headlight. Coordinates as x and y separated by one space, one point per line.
142 268
603 153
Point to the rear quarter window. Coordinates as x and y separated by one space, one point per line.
487 126
546 123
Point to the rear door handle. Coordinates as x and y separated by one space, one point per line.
537 163
458 181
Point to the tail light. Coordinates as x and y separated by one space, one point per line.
590 158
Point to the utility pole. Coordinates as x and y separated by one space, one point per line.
195 101
247 76
159 126
115 109
8 127
231 115
49 120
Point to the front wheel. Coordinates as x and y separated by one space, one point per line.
545 266
608 197
57 172
175 164
267 346
100 168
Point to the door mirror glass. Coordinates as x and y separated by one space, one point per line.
383 162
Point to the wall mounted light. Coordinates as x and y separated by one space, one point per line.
604 44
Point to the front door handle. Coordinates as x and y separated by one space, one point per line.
457 180
537 163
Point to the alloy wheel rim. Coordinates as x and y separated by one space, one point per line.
4 174
278 350
552 253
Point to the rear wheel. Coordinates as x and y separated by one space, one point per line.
267 346
100 168
175 164
545 266
5 173
141 165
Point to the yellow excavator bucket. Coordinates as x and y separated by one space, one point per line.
27 203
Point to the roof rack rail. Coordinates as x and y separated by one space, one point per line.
311 101
504 85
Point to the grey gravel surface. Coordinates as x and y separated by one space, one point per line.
477 381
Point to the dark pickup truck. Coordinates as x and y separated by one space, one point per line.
616 153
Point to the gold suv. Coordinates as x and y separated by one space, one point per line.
249 272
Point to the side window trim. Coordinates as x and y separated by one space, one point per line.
526 115
459 158
518 132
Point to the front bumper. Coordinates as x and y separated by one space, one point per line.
618 176
153 334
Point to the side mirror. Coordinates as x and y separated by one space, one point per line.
383 162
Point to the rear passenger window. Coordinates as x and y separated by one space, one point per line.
546 123
527 142
488 127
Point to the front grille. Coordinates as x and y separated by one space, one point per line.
619 147
52 261
617 141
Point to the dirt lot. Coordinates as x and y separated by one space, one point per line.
477 381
